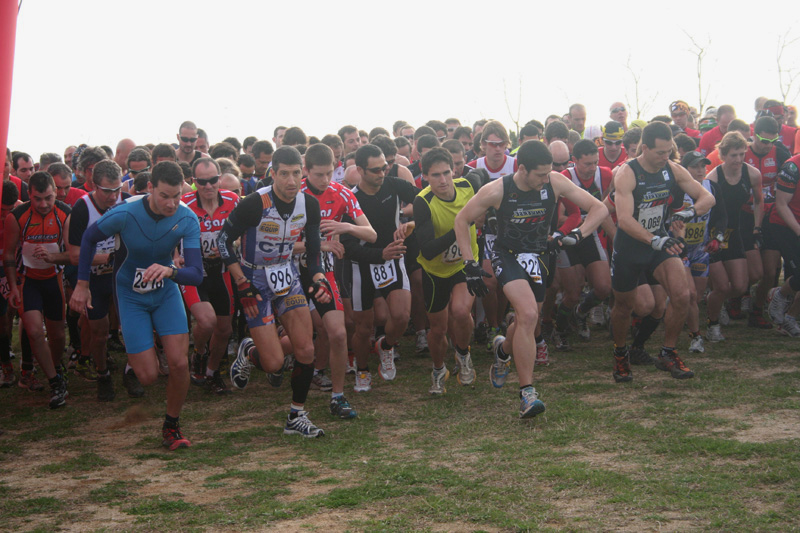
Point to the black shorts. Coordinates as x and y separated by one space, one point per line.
44 295
790 251
336 301
768 231
343 272
390 276
507 268
586 252
632 260
747 222
437 291
102 289
732 247
412 252
215 289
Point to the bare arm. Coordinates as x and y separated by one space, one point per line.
758 194
782 199
596 212
703 200
624 183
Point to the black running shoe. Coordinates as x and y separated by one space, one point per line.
131 383
670 362
638 356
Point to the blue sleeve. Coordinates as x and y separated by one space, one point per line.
192 271
91 237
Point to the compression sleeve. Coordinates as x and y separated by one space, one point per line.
430 246
192 271
91 237
79 220
245 215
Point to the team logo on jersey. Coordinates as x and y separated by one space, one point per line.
544 194
269 227
297 217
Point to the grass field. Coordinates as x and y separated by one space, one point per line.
718 452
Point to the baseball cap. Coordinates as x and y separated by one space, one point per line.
679 106
692 158
638 123
613 131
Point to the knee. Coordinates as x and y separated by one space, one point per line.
337 337
178 364
206 322
462 315
526 317
223 329
147 376
680 297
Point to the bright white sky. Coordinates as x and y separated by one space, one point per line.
96 71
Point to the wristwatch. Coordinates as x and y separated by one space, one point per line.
174 272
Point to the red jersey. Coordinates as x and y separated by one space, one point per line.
604 162
36 230
788 134
709 140
334 202
73 195
788 178
768 166
210 225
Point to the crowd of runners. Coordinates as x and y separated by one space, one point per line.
315 257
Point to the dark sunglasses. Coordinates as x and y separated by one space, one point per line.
563 164
617 109
209 181
189 139
137 172
378 170
614 143
409 137
109 191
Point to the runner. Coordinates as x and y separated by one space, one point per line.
38 229
644 189
149 228
211 302
526 204
270 222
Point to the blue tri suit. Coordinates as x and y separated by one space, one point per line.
146 238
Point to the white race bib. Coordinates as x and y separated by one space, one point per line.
383 275
104 247
490 237
208 244
530 264
650 217
32 262
452 254
280 278
143 287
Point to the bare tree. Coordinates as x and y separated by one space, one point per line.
787 75
699 51
639 105
514 118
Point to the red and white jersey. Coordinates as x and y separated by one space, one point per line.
605 162
210 225
509 166
768 166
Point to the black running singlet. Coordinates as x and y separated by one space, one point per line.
524 218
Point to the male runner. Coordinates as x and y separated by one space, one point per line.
270 222
644 190
211 302
149 228
38 228
525 202
447 300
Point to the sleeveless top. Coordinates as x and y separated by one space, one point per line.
524 218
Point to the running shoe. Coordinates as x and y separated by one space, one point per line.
529 404
351 363
597 315
465 373
756 320
789 327
216 384
27 380
341 408
714 333
198 374
747 303
363 382
438 379
670 362
639 356
622 368
542 355
115 344
111 364
241 366
422 342
778 305
735 309
232 348
276 378
105 388
72 357
132 384
696 344
85 369
581 324
301 425
500 369
387 369
491 334
321 382
724 318
173 439
58 393
561 341
7 377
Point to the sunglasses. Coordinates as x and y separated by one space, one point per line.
497 144
209 181
768 141
617 109
247 175
109 191
612 143
137 172
442 138
189 139
378 170
567 163
409 137
390 163
451 129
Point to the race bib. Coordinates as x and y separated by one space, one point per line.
530 264
490 243
32 262
208 244
5 289
105 247
280 278
695 231
452 254
383 275
726 239
650 217
143 287
769 198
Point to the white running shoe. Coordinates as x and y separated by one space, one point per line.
789 327
714 333
387 369
778 305
363 382
438 379
696 346
466 373
422 342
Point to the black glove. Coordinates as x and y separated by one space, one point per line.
685 215
758 237
572 238
555 244
323 284
248 296
475 274
663 243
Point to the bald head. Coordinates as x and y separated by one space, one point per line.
559 150
122 152
229 182
351 176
